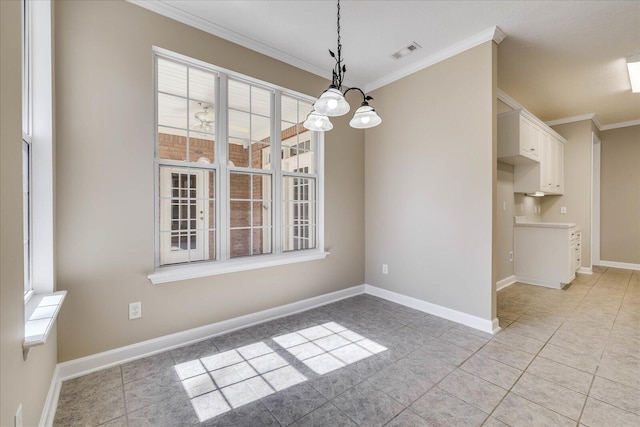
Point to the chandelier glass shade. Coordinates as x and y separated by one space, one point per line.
365 117
318 122
332 102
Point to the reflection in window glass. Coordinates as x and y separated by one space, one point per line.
186 113
193 173
299 213
250 214
187 215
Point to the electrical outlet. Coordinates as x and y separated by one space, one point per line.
563 209
510 256
18 418
385 269
135 310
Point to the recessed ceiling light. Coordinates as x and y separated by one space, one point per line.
406 50
633 65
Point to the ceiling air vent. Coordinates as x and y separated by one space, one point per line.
406 50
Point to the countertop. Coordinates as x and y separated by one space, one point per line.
522 222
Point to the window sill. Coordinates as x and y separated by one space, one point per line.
184 272
40 314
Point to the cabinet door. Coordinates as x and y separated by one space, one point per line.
530 139
547 164
559 167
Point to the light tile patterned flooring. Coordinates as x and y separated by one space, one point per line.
565 357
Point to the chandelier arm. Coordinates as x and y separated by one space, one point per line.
365 98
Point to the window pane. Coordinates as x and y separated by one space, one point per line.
298 145
239 125
26 222
299 213
201 147
172 111
240 242
261 241
289 110
240 213
251 214
261 187
240 186
299 154
238 153
261 214
260 128
260 101
172 144
239 96
172 78
261 155
201 117
202 86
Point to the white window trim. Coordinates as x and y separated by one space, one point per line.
224 265
40 129
234 265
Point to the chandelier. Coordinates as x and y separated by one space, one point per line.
332 102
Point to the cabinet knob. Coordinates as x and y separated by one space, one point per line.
557 185
532 149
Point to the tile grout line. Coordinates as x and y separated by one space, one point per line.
605 349
529 364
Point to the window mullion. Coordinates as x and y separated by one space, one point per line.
222 137
276 164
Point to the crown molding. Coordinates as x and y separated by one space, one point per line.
573 119
621 125
591 116
172 12
509 100
165 9
491 34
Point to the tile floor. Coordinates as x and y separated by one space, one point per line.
569 357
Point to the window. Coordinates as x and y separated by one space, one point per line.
26 144
237 176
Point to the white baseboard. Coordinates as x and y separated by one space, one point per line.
51 402
85 365
624 265
484 325
585 270
507 281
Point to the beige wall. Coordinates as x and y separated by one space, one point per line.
577 184
620 195
21 382
105 146
430 176
509 205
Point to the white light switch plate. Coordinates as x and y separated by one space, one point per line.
563 209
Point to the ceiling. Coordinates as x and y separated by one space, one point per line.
559 59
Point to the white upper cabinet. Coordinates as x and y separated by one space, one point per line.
535 150
519 139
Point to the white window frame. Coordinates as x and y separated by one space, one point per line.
38 120
223 263
27 109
